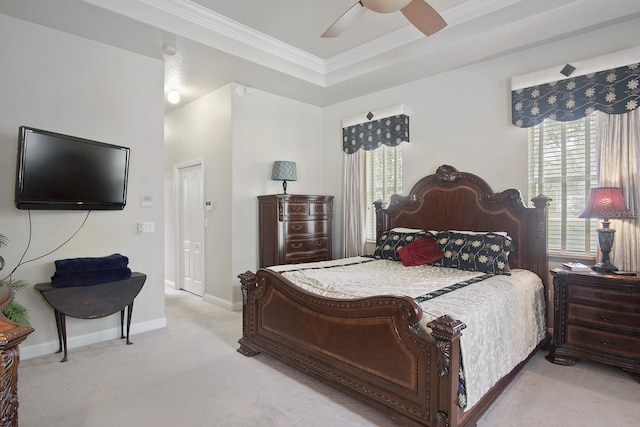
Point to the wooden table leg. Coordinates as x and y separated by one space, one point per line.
63 329
129 311
122 323
56 313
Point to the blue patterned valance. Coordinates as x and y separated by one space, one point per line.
390 131
614 91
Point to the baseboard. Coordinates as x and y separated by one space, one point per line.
170 284
30 351
223 303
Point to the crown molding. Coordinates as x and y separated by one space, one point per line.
216 23
220 24
453 16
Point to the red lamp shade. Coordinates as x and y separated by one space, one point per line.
607 203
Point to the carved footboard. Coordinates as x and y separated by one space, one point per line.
370 348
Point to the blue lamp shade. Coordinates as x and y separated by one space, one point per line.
284 171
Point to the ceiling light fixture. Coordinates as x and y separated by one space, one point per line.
169 50
173 96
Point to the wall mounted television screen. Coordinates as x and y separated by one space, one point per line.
62 172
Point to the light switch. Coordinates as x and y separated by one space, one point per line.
146 227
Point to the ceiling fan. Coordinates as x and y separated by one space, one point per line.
424 17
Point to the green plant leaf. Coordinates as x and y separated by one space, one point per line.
17 313
14 311
17 285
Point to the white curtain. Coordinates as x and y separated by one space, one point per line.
354 211
618 159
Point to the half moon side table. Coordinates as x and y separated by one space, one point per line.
92 302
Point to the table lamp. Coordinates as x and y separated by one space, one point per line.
606 203
284 171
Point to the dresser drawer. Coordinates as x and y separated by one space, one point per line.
318 208
295 246
299 228
295 208
606 296
604 342
604 317
320 256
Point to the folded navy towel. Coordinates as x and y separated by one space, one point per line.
89 278
85 265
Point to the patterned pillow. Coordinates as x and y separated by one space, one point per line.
391 241
485 252
420 252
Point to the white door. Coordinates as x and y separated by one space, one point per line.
191 228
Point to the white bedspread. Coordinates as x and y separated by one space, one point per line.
505 315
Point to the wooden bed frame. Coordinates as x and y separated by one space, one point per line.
373 348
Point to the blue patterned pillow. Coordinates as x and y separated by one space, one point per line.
484 252
391 241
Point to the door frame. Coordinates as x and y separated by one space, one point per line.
176 226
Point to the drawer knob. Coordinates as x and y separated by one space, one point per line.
606 297
605 318
607 343
295 208
295 245
296 227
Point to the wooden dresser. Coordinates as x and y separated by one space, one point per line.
596 317
294 228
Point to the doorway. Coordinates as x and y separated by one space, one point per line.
190 224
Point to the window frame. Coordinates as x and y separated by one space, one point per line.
383 190
567 182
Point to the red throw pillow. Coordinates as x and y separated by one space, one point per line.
420 252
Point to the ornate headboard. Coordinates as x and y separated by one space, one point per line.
452 200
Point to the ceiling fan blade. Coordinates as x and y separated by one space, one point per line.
345 21
424 17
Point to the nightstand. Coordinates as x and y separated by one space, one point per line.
596 317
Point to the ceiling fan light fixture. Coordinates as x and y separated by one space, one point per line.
385 6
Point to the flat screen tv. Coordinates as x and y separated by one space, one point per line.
62 172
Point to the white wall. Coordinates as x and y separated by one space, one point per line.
266 128
462 118
239 138
202 130
59 82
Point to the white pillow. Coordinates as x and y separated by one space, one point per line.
408 230
499 233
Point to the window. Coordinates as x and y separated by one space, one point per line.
383 177
562 165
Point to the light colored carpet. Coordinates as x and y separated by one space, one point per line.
190 375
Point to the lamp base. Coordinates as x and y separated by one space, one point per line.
604 267
605 240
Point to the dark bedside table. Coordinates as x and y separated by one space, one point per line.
596 317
